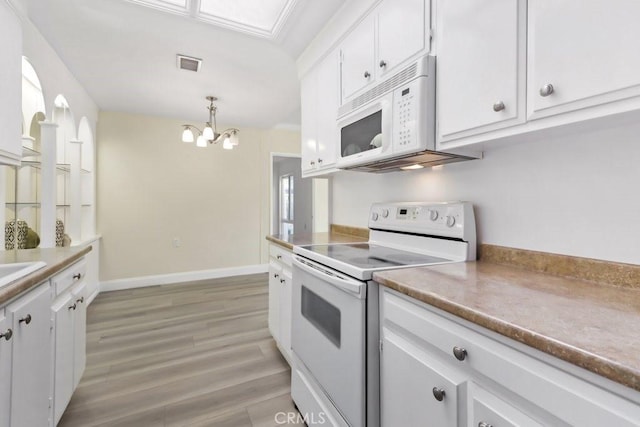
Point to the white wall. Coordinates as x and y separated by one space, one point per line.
153 188
575 195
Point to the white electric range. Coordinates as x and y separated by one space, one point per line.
335 333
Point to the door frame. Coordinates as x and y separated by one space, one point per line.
272 196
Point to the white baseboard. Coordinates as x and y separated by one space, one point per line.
185 277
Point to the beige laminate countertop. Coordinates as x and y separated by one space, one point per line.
56 259
291 240
594 326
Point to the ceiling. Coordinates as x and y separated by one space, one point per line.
124 54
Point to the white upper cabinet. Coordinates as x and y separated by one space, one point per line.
319 103
481 68
403 31
358 56
387 38
10 86
582 54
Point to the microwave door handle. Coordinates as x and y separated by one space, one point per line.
350 285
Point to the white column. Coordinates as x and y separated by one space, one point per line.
49 188
74 226
3 200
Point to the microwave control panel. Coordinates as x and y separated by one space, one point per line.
406 117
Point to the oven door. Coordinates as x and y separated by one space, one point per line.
329 334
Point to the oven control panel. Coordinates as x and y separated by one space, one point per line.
448 219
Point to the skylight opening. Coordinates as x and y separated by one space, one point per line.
262 18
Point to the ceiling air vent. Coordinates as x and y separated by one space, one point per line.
189 63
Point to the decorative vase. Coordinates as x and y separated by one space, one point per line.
59 233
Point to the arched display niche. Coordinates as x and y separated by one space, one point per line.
87 179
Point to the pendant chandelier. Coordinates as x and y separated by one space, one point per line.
209 134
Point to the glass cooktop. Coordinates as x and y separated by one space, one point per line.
368 256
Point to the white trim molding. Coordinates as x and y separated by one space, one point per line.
184 277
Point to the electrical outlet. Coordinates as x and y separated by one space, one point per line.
176 242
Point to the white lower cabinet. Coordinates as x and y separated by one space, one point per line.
69 313
483 380
280 303
31 357
6 334
416 386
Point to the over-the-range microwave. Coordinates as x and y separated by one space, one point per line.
392 126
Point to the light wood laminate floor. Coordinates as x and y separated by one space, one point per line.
197 354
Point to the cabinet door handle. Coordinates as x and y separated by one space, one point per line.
382 64
439 394
312 163
77 276
72 307
498 106
367 74
276 275
279 257
26 319
484 424
460 353
546 90
7 335
282 280
80 300
319 160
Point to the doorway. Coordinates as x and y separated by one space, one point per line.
298 205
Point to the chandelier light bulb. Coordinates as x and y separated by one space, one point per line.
235 141
187 135
208 134
201 142
227 145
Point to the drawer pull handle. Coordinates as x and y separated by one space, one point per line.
80 300
72 307
383 63
279 257
367 74
484 424
546 90
77 276
498 106
439 394
7 335
282 280
460 353
26 319
276 275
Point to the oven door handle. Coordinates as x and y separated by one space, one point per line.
352 286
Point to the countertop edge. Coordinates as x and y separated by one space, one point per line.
282 243
568 353
23 284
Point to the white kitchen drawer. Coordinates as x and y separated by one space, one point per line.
485 409
559 393
69 276
280 254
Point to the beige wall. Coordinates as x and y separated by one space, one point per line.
153 188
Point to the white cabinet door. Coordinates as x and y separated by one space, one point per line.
275 271
403 31
10 86
63 313
328 100
6 336
481 66
285 311
358 57
31 383
415 388
79 294
587 50
309 119
485 409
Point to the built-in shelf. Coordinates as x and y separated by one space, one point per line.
29 152
23 204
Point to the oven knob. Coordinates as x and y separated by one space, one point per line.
385 213
433 215
374 216
451 221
